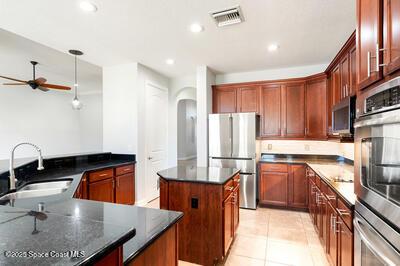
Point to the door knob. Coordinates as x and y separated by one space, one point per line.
149 158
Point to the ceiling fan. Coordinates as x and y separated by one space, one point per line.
36 83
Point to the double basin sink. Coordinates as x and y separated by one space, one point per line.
39 189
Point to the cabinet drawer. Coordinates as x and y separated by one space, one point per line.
124 169
274 167
330 195
344 212
228 188
100 175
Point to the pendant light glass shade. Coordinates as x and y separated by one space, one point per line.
76 103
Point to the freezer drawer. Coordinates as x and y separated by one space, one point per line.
244 165
248 186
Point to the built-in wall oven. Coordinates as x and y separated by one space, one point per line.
377 175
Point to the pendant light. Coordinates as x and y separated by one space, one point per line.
76 103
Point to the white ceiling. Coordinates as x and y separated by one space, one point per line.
58 68
150 31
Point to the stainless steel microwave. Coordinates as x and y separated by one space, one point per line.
343 115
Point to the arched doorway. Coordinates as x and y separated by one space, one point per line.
186 132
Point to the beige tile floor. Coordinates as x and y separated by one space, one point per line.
270 237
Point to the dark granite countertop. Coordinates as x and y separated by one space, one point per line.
209 175
36 234
327 167
95 227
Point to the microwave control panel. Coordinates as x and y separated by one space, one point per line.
386 98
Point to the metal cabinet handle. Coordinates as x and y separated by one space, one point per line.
333 222
369 63
342 212
101 175
229 188
337 223
330 197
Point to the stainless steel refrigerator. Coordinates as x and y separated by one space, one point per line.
232 143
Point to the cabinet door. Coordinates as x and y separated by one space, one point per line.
369 32
274 188
224 100
353 71
125 189
336 85
248 100
102 190
298 196
316 110
345 76
294 110
346 245
332 239
228 222
391 35
271 110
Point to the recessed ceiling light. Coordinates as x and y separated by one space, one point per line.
170 61
195 28
273 47
88 6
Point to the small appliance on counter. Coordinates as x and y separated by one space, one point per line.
232 144
343 115
377 176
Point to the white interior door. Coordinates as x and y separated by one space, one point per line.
156 136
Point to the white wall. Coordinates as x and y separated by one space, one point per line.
270 74
179 89
205 78
124 108
308 147
46 119
187 129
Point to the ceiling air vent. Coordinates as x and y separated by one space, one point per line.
228 16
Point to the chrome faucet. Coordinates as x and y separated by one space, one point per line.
12 173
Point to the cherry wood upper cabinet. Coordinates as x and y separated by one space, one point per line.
248 99
345 76
336 85
271 110
369 41
316 108
293 110
353 71
391 35
224 100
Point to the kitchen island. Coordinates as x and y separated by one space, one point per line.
209 199
81 232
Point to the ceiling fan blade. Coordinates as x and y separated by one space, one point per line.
14 83
56 87
40 81
42 89
22 81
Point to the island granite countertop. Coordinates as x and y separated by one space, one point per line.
208 175
106 225
327 167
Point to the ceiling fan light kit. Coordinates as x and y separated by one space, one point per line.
76 103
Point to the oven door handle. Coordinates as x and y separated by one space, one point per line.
368 238
392 119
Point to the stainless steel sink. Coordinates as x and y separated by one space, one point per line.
47 185
39 190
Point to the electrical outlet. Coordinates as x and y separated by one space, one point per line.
307 147
269 146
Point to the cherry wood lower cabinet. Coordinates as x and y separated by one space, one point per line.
332 219
162 252
211 216
283 185
116 185
114 258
